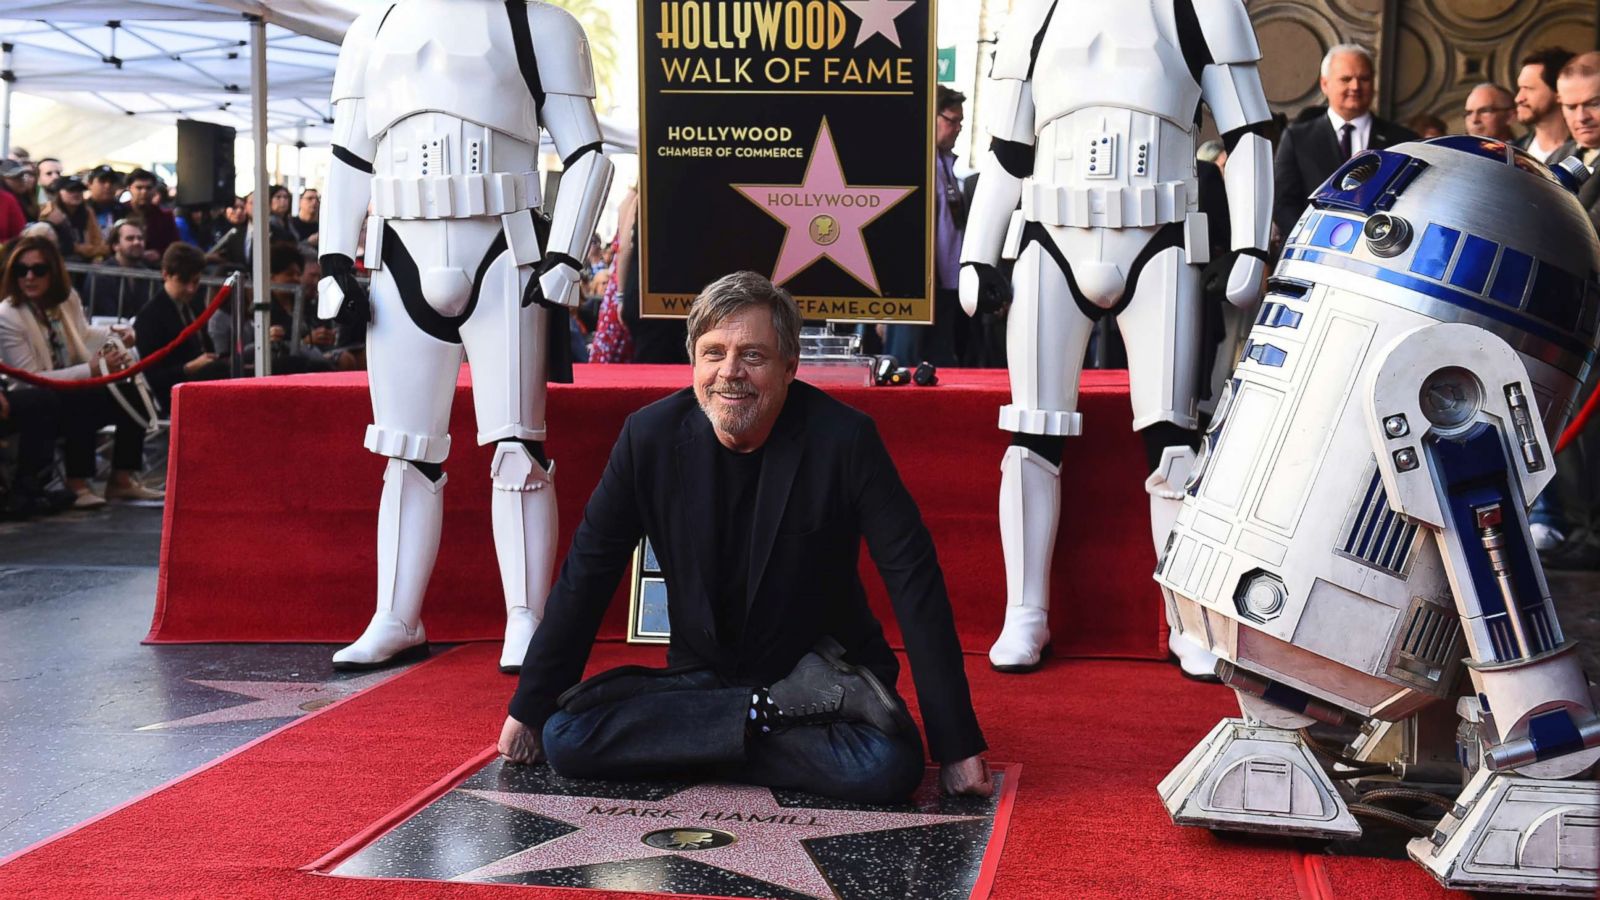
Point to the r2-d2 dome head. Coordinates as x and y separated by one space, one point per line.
1473 230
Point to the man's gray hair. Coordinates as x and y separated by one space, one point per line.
733 293
1493 87
1340 50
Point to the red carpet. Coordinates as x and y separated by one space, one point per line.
1093 739
271 507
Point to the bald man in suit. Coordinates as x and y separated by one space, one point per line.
1578 92
1315 147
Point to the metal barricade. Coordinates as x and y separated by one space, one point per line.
128 298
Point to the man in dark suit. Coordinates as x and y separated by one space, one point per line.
1315 146
755 491
1578 90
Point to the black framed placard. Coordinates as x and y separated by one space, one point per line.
793 139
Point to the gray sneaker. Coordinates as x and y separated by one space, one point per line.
825 688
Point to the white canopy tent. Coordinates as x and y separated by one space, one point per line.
164 60
179 58
172 59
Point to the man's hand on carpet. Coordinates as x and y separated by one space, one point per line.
520 744
966 776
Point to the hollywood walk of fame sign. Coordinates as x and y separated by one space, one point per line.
521 825
792 138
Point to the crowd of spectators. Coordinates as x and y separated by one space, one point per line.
99 268
139 255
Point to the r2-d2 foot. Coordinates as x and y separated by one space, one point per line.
1257 774
1256 778
1513 833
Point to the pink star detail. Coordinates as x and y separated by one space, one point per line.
770 851
824 215
877 17
273 699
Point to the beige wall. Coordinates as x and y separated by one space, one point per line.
1437 49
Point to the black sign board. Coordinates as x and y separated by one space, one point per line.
791 138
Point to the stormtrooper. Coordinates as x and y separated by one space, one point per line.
437 110
1092 109
1354 541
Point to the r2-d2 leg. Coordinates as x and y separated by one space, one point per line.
1462 449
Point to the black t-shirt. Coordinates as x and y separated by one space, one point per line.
302 229
737 475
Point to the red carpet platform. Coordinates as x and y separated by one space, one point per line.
272 507
1087 821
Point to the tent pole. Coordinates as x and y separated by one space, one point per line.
6 78
261 251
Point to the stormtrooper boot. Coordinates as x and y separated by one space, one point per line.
410 514
524 514
1165 487
1030 504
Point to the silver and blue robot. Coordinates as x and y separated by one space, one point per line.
1353 542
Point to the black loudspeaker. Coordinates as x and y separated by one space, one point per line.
205 163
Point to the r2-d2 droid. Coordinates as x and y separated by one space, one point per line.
1354 540
437 110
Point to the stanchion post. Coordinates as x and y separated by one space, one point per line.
7 76
261 251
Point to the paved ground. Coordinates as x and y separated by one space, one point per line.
89 717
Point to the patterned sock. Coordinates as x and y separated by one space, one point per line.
763 715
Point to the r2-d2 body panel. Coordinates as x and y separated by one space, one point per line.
1312 548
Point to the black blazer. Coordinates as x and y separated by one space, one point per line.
1308 153
157 325
1589 196
827 482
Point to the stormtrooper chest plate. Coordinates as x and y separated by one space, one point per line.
452 57
1113 55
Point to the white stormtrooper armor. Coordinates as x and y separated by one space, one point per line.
1093 110
1357 521
437 111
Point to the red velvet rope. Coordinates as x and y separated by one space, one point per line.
1575 427
136 368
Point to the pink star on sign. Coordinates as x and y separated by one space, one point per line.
824 215
877 17
612 830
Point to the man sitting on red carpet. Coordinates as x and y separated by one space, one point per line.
755 491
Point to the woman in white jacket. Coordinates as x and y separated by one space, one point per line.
43 330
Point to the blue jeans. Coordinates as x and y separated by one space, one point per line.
691 724
1547 510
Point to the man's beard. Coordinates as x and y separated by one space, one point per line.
736 420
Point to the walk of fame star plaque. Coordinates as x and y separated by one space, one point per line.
505 824
794 140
